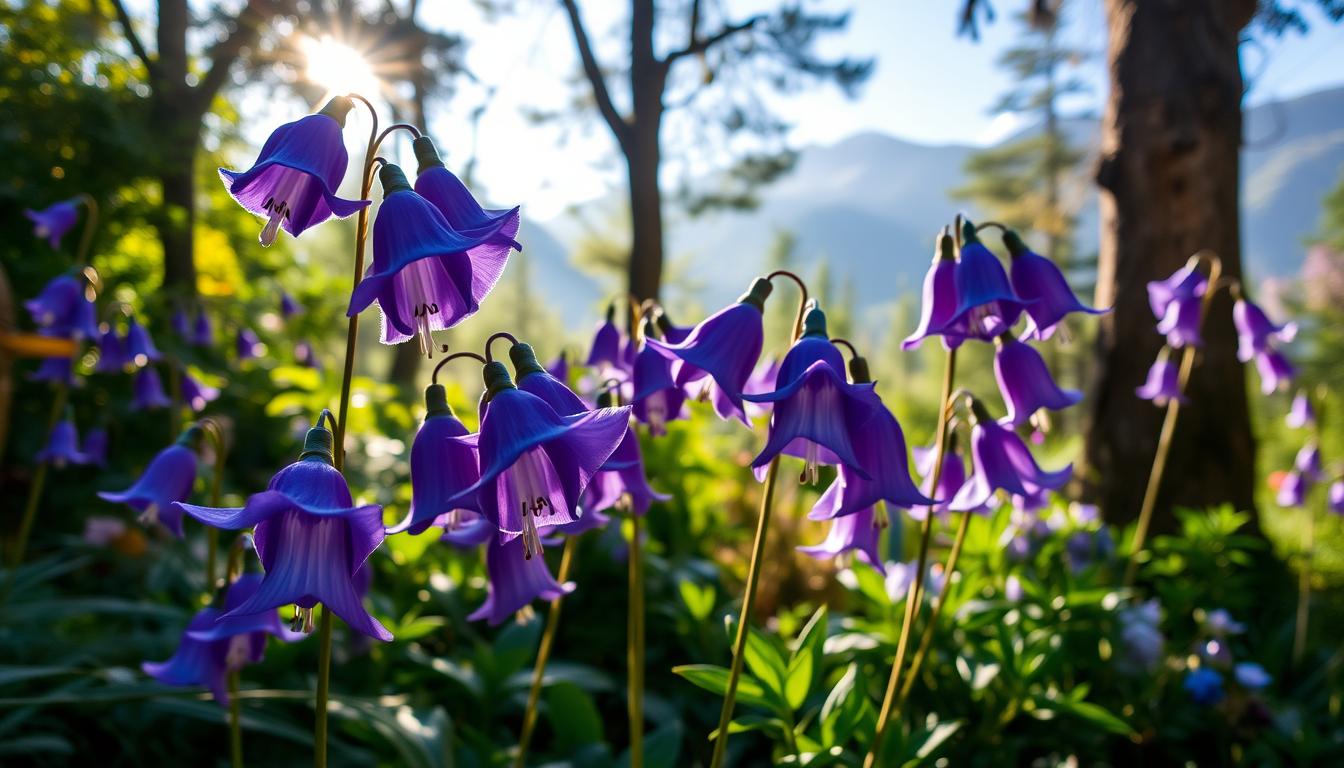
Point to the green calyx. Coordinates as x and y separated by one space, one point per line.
317 445
757 294
496 378
649 329
664 324
611 312
426 156
979 414
968 233
814 323
606 398
337 109
1013 242
947 247
191 436
436 402
858 370
393 179
524 361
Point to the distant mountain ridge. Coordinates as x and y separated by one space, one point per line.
871 204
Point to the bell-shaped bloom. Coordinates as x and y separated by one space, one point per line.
606 347
1335 498
56 370
533 378
425 275
203 331
858 532
939 298
248 345
986 304
880 449
1255 332
1164 381
1275 371
722 350
657 398
311 536
443 463
181 323
197 394
1141 636
1251 676
139 346
535 463
671 333
306 356
1204 685
288 306
950 479
148 391
1002 462
1181 322
1025 382
559 367
95 447
1184 284
62 446
1292 490
1308 462
293 182
53 221
1302 413
167 479
626 487
446 192
1036 279
112 354
64 308
212 647
818 415
515 580
1219 623
764 379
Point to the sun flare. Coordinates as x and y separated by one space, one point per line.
337 67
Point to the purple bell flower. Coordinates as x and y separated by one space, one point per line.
62 446
1002 462
293 182
311 537
288 306
657 398
950 480
536 463
1292 490
56 370
181 323
534 379
1185 283
764 379
606 349
1164 381
1036 279
1181 322
1335 500
986 304
1204 685
213 646
148 391
1141 636
1251 676
167 479
112 355
248 345
818 415
65 308
939 298
721 351
425 275
95 447
443 462
1302 413
1275 371
672 334
1025 382
859 532
1255 332
559 367
306 356
203 332
623 486
516 579
1308 462
140 347
197 394
53 221
447 193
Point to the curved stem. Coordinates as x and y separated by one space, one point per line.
986 224
323 687
513 340
415 132
915 594
434 377
847 345
802 301
39 479
215 435
235 721
543 655
926 638
90 223
635 645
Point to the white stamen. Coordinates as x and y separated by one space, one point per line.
811 458
278 213
291 183
527 487
656 409
150 516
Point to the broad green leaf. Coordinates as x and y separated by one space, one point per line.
798 680
573 716
715 680
840 713
662 748
766 663
699 599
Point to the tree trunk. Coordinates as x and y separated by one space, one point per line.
177 221
176 113
646 214
1169 187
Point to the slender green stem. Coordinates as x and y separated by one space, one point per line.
543 655
914 597
323 688
926 637
744 617
235 722
39 479
1304 587
90 224
635 643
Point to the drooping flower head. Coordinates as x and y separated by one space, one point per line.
53 221
65 308
56 370
716 358
1204 685
950 479
859 532
1025 382
443 463
986 304
293 182
1141 636
534 462
1335 500
1219 623
1002 462
62 446
1292 490
1185 283
248 345
1302 413
288 306
311 536
203 331
139 345
1255 332
817 413
1164 380
621 482
1251 676
148 391
606 348
1308 462
1036 279
1275 371
1181 322
215 644
167 479
181 323
197 394
306 356
939 299
425 275
559 367
446 192
515 580
657 398
112 354
532 377
879 447
95 447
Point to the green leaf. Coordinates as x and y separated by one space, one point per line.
573 716
418 627
930 740
842 709
766 663
1092 713
36 743
699 599
662 748
798 682
715 680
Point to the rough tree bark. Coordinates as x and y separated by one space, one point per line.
1169 187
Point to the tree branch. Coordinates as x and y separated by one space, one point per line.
128 29
593 72
245 29
705 43
694 23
